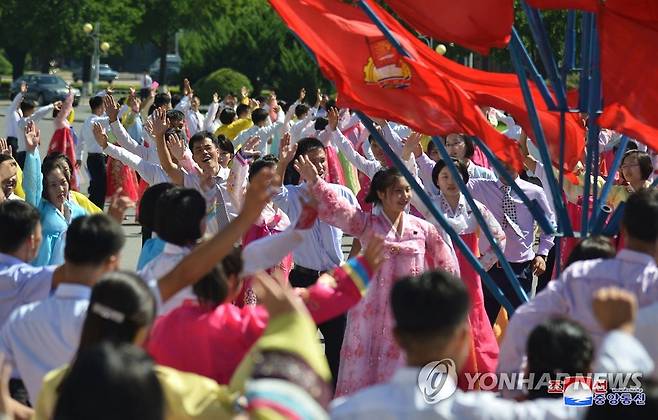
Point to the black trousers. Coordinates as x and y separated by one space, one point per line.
523 273
97 183
333 330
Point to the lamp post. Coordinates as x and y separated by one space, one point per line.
94 32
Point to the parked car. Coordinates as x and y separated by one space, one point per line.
44 88
173 68
105 73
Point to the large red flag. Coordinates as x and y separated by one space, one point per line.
475 24
502 91
370 75
629 75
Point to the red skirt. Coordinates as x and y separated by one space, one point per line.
62 142
121 176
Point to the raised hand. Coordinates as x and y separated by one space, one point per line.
215 97
5 148
412 145
277 299
615 308
100 135
332 116
249 149
244 91
187 89
318 98
306 169
253 104
286 151
111 107
302 95
119 205
374 253
148 127
32 136
159 122
23 88
176 146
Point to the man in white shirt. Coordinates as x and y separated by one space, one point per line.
13 115
263 128
146 82
20 238
431 325
96 159
30 113
634 269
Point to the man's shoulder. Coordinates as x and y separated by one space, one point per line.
362 402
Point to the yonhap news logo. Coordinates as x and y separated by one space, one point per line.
438 380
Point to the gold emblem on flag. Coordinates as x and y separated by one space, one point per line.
386 67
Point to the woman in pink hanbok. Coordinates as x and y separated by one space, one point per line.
369 354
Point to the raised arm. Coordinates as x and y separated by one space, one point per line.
211 115
368 167
63 113
32 176
332 208
159 130
13 106
206 255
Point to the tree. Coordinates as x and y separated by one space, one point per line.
57 30
162 19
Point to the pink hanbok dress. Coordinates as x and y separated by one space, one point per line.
369 354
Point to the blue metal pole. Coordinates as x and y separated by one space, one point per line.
422 194
612 228
619 156
535 75
389 36
511 277
538 31
534 207
585 47
654 184
570 44
556 194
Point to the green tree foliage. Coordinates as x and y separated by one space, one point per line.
222 81
53 29
249 36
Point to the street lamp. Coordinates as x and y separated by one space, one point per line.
94 32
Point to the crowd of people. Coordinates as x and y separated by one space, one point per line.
243 301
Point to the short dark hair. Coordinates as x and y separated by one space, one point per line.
321 123
267 161
301 110
120 305
178 216
381 182
28 105
590 248
90 240
468 144
241 110
227 116
176 115
304 146
643 159
434 303
225 144
95 102
175 99
147 204
201 136
161 99
259 115
18 220
118 381
641 215
438 167
558 345
213 288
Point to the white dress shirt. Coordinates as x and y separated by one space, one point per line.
21 283
88 141
401 398
161 265
146 81
12 115
264 133
42 336
646 330
570 295
22 123
149 154
150 172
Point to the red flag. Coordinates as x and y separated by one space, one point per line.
371 76
475 24
629 73
502 91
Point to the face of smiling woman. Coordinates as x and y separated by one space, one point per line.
57 188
